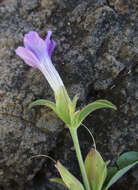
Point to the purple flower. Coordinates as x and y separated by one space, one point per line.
37 53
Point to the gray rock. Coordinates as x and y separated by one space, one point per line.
96 47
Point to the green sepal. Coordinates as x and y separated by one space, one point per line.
58 180
71 182
62 105
96 169
125 162
73 104
82 114
41 102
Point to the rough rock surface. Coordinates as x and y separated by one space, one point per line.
95 53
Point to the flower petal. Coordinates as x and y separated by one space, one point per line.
35 44
37 53
27 56
51 47
50 44
47 40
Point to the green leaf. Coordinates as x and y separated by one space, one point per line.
110 173
96 169
58 180
81 115
125 162
118 174
127 158
69 180
42 102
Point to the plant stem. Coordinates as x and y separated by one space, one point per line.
74 135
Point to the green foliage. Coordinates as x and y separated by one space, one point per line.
125 162
73 106
82 114
58 180
127 159
96 169
68 180
63 103
41 102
